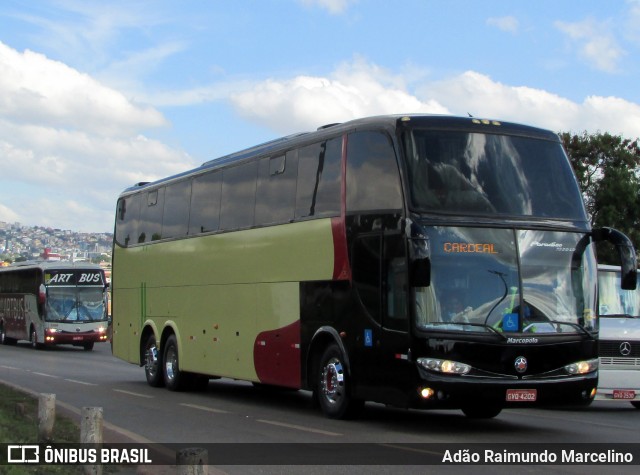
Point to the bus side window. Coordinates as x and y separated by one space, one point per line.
276 189
151 216
373 180
127 221
395 283
366 273
175 218
204 213
238 196
319 179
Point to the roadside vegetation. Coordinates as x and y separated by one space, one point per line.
19 425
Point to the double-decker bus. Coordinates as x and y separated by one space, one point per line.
52 303
619 314
415 261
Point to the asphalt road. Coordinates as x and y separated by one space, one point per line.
232 412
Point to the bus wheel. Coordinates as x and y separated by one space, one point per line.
333 391
152 363
481 412
4 339
174 379
88 346
34 339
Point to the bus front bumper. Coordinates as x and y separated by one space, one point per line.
462 391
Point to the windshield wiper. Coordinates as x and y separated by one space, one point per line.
466 324
573 325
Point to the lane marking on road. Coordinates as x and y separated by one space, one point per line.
204 408
302 428
80 382
131 393
45 375
8 367
547 415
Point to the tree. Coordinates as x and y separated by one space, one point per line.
608 168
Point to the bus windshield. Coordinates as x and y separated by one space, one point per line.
615 302
75 304
507 281
459 172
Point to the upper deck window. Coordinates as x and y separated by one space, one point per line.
461 172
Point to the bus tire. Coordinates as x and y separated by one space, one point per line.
33 339
481 412
4 339
153 363
174 379
333 387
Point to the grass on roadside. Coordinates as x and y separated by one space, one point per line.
19 425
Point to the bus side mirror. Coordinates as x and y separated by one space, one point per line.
420 265
627 253
42 294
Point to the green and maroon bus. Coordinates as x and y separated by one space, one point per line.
416 261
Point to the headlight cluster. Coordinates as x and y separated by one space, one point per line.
444 366
582 367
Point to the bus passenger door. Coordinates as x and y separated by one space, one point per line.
380 360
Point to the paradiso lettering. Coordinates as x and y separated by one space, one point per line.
462 247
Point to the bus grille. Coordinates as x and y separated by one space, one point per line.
624 349
607 361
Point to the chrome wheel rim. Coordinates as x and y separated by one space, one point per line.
171 365
151 361
332 381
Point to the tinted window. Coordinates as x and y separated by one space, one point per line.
366 273
319 179
276 191
463 172
238 196
151 216
127 220
175 221
205 203
373 182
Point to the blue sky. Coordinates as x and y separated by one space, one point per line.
98 95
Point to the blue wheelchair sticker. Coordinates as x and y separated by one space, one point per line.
368 337
510 322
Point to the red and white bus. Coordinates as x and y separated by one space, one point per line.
51 303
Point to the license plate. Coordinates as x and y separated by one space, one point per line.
521 395
624 394
75 338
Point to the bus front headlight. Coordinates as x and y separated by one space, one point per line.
444 366
582 367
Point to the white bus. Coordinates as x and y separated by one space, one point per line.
619 339
52 303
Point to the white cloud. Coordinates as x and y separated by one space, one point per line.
69 145
479 95
509 24
305 102
595 42
359 89
8 215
